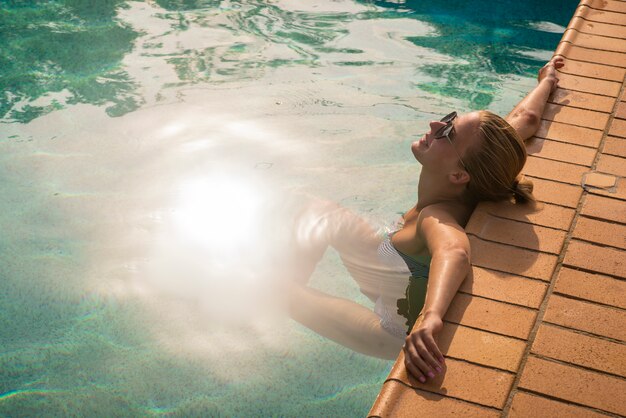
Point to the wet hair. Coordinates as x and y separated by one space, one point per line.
495 163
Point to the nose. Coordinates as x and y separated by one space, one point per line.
435 125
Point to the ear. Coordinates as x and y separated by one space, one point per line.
459 177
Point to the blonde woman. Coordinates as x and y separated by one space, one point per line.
416 269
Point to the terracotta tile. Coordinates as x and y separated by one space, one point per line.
543 214
575 385
597 28
608 5
612 165
601 232
573 116
601 16
555 192
593 287
484 314
574 347
504 287
591 55
621 110
604 208
594 180
618 192
589 85
568 153
618 128
462 380
594 41
592 257
583 100
554 170
587 69
585 316
397 400
526 405
569 133
615 146
480 347
519 234
512 259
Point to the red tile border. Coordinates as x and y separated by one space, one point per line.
562 194
595 41
603 72
612 165
513 260
554 170
573 347
615 146
618 128
560 151
504 287
586 316
593 287
605 208
573 116
526 405
608 5
589 85
583 100
575 385
398 400
478 313
600 232
569 133
603 29
596 258
578 53
519 234
462 380
481 347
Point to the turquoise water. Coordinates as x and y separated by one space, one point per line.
141 142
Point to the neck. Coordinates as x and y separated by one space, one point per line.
437 189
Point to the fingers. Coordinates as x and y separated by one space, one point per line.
421 355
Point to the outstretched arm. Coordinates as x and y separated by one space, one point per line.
526 116
450 249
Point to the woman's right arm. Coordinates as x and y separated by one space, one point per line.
526 116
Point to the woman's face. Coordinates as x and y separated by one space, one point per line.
439 153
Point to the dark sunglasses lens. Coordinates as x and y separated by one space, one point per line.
448 117
444 131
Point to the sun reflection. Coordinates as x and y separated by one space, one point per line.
218 212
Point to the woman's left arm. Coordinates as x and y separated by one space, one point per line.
526 116
450 265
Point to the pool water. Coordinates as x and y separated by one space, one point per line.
148 153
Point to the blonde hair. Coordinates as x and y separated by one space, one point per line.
494 165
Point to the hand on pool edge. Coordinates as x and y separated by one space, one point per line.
549 72
422 357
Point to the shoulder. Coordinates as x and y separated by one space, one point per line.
442 226
450 213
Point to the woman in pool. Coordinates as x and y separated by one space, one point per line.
465 159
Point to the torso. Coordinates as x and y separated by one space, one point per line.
409 239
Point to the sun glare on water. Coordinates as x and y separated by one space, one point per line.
218 213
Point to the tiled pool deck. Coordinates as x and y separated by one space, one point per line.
540 329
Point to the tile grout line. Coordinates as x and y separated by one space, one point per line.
559 265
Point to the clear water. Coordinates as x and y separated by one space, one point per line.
140 145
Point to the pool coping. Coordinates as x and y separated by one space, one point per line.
540 327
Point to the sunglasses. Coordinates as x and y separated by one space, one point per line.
445 131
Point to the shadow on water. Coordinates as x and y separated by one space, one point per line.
492 40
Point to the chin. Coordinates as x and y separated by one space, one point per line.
415 149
